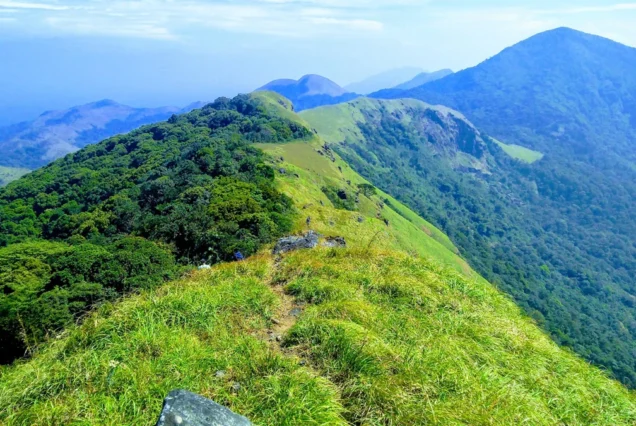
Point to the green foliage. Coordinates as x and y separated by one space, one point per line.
192 189
44 286
556 235
340 198
367 190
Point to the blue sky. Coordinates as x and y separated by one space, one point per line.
58 53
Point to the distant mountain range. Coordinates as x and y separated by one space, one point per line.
310 91
57 133
421 79
384 80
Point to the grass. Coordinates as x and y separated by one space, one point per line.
521 153
409 342
307 172
116 368
386 338
9 174
395 329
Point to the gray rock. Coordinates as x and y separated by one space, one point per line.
220 374
335 242
295 312
360 219
187 409
287 244
282 171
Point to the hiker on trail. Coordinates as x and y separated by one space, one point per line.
238 256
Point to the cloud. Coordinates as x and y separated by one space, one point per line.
38 6
169 19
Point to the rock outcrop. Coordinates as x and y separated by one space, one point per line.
287 244
308 241
187 409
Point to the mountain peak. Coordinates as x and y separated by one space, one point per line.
104 103
309 91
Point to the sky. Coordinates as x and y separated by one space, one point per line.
58 53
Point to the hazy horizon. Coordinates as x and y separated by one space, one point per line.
61 53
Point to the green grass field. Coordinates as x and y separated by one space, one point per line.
520 153
9 174
396 329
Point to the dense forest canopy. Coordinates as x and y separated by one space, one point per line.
128 212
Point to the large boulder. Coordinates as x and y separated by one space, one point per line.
287 244
183 408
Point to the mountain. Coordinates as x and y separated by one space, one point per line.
309 91
384 80
57 133
393 329
552 228
421 79
9 174
562 92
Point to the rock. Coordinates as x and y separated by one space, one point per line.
204 266
287 244
279 338
236 387
185 408
302 363
282 171
360 219
295 312
220 374
335 242
275 321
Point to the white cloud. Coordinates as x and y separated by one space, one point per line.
24 5
170 19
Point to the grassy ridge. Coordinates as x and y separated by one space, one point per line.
395 329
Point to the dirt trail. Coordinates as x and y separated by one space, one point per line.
286 315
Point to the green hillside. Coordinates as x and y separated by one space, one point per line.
393 329
520 153
9 174
559 244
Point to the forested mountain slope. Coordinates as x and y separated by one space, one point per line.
393 329
562 92
561 244
123 214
